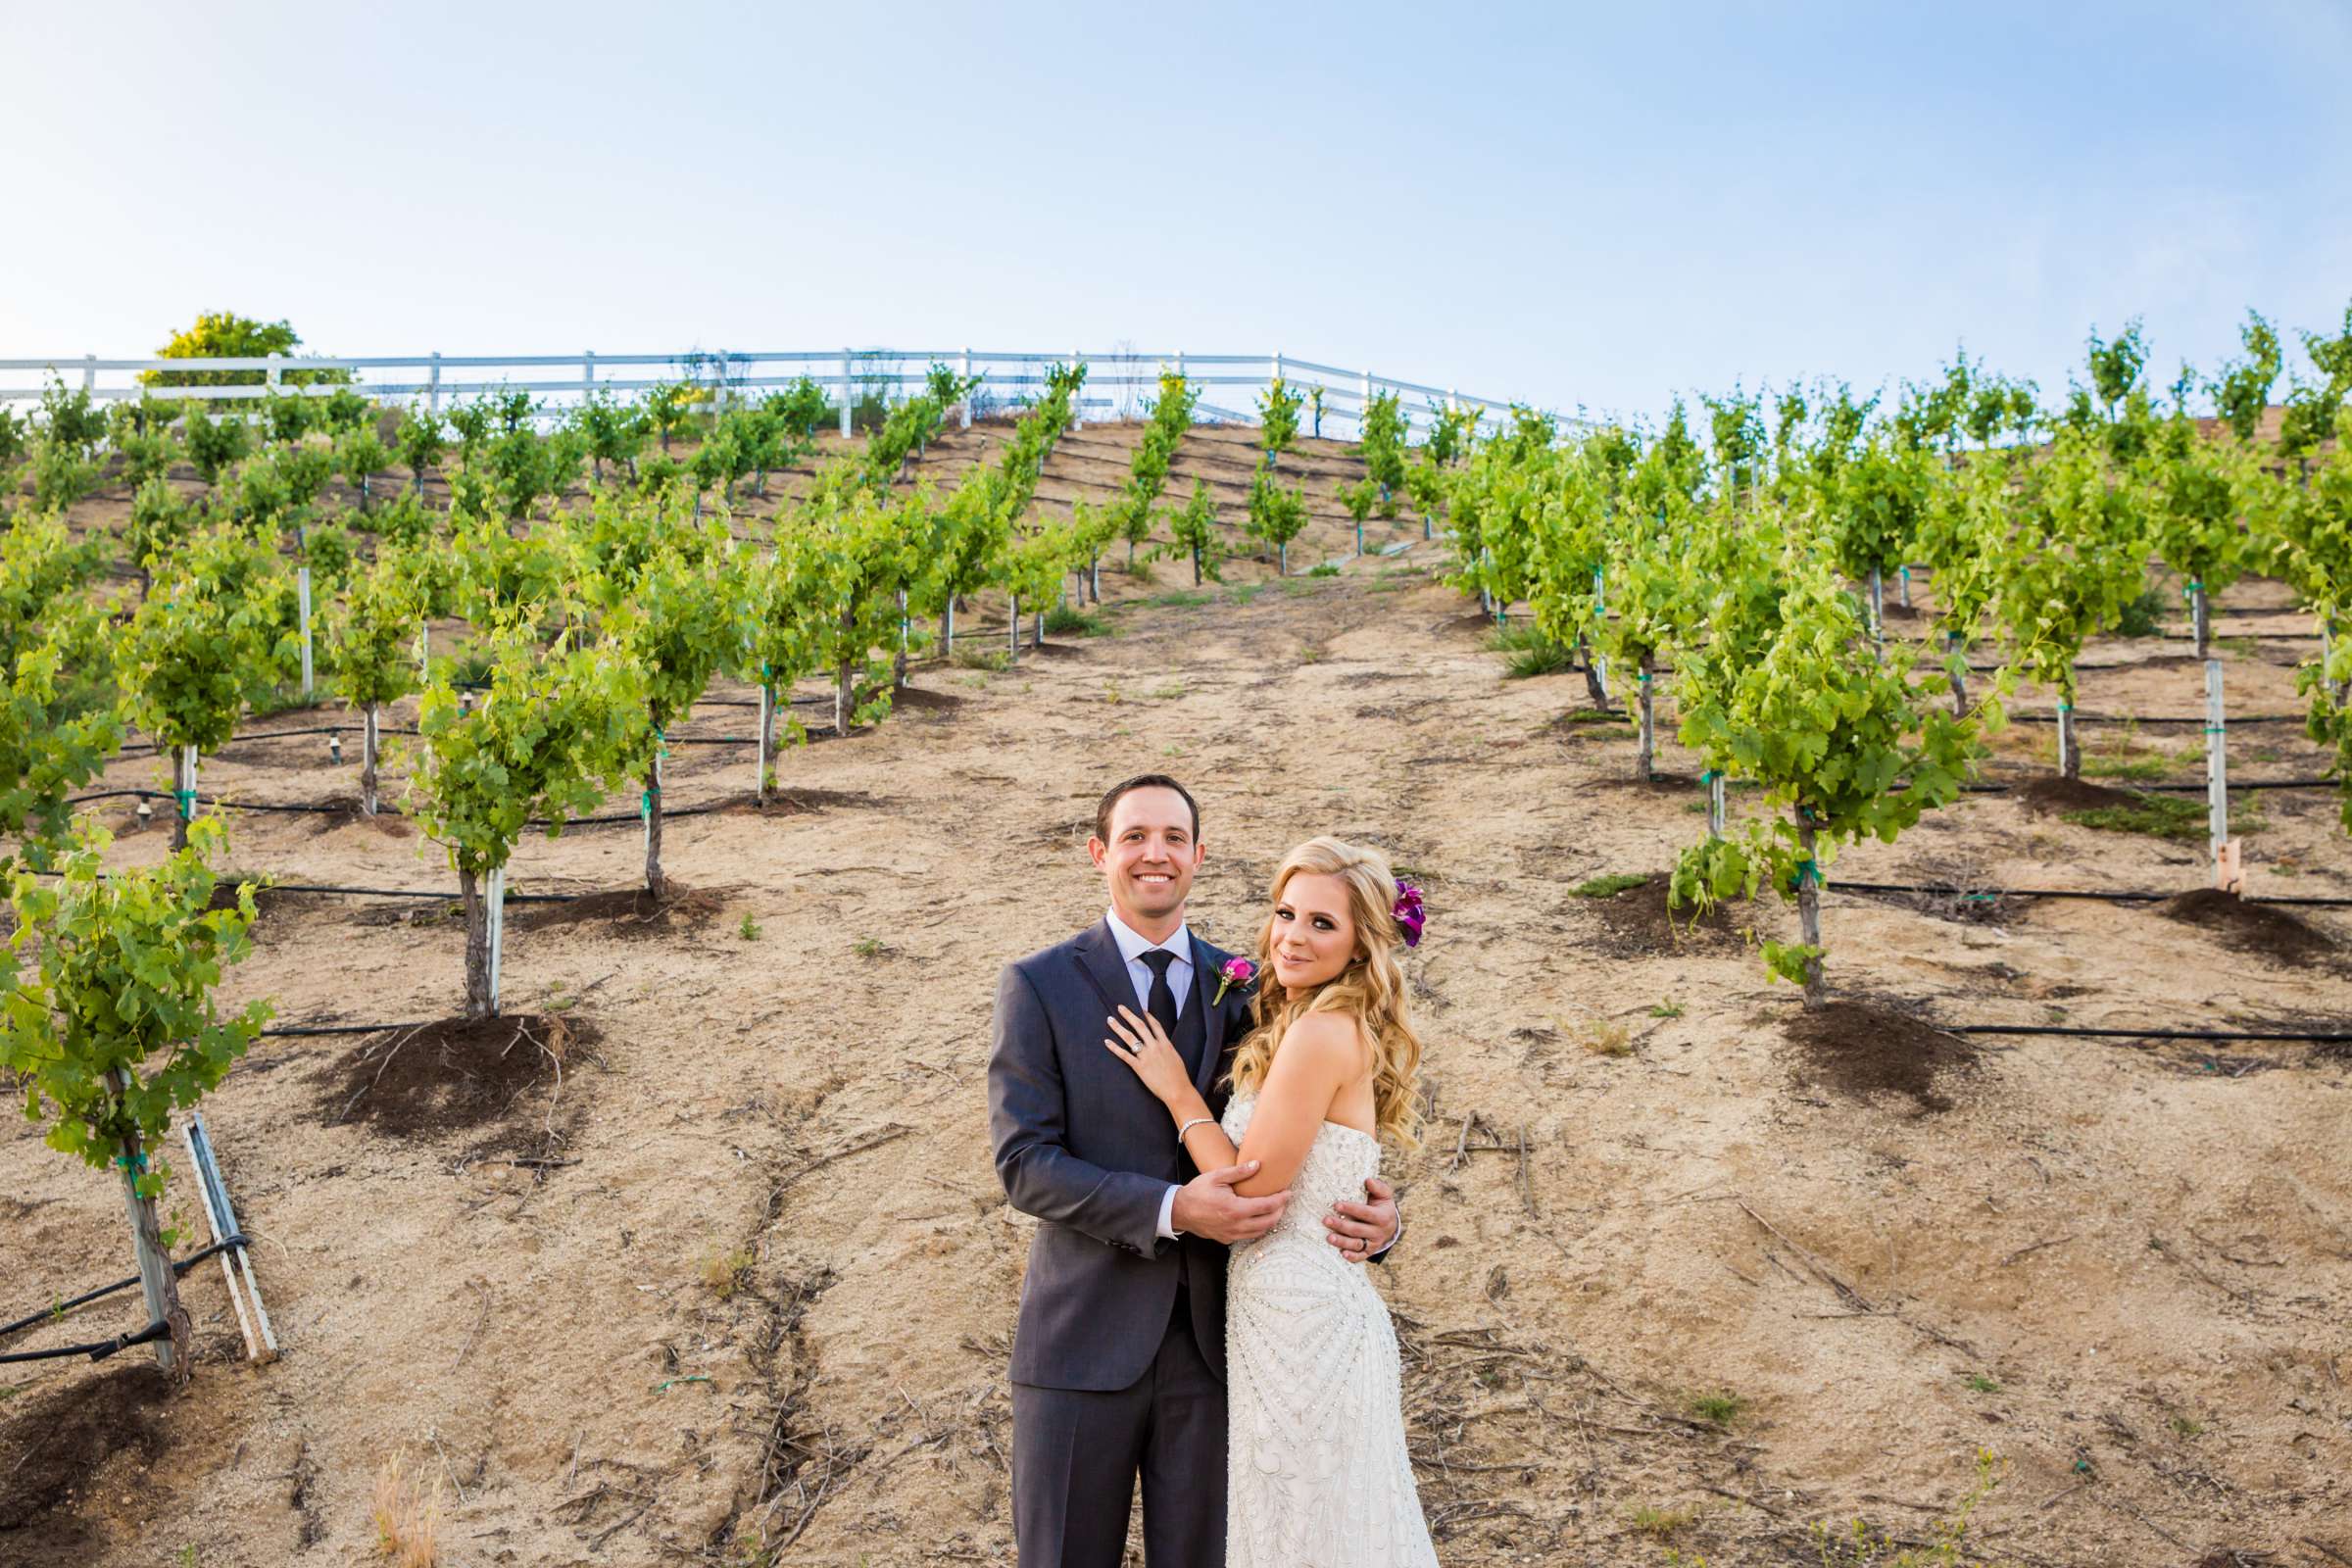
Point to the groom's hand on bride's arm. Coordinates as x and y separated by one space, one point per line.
1208 1206
1363 1231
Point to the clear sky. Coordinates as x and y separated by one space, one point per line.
1571 204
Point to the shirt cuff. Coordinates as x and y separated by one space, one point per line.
1168 1215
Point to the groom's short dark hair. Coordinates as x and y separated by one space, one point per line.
1144 781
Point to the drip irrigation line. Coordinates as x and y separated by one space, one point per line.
277 735
1989 894
215 804
2123 719
2110 896
427 893
605 820
2313 1037
47 1314
304 1030
2236 785
614 819
699 701
97 1351
260 885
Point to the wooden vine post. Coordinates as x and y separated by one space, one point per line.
113 1025
159 1286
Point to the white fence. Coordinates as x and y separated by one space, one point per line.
1118 385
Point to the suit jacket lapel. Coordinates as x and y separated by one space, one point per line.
1212 1014
1099 959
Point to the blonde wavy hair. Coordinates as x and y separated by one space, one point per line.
1372 989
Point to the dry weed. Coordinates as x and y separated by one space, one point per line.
408 1517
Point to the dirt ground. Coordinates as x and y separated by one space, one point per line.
703 1252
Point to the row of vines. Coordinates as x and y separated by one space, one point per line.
1750 570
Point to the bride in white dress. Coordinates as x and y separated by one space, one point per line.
1317 1473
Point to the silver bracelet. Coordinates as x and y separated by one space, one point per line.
1196 1121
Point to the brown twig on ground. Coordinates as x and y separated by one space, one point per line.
478 1333
889 1134
2055 1241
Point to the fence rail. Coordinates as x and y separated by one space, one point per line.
849 374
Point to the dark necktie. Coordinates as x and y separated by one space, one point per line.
1161 1003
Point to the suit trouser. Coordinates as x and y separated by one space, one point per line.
1076 1453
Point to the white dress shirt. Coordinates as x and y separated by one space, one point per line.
1133 945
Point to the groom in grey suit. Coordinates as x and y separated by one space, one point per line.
1118 1360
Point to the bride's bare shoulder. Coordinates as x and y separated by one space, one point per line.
1332 1040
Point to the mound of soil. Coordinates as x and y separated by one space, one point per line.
1638 922
2051 795
626 911
917 699
224 893
1860 1051
51 1448
1602 723
795 801
347 813
1897 610
1657 783
2258 928
455 1075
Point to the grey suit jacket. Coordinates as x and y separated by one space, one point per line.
1084 1147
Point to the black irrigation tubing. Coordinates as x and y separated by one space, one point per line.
699 701
2236 785
608 820
97 1351
296 1030
613 818
1987 895
179 1268
2122 718
276 735
2246 784
426 894
2317 1037
216 805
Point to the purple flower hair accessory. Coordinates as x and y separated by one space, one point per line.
1411 916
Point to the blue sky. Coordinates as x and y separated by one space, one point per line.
1574 206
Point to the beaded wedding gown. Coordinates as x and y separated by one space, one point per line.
1317 1474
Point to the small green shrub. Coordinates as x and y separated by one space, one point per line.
1529 653
1608 887
2144 617
1659 1523
1721 1408
2164 816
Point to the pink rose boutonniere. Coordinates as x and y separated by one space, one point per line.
1235 972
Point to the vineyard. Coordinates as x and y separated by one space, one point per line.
1892 924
